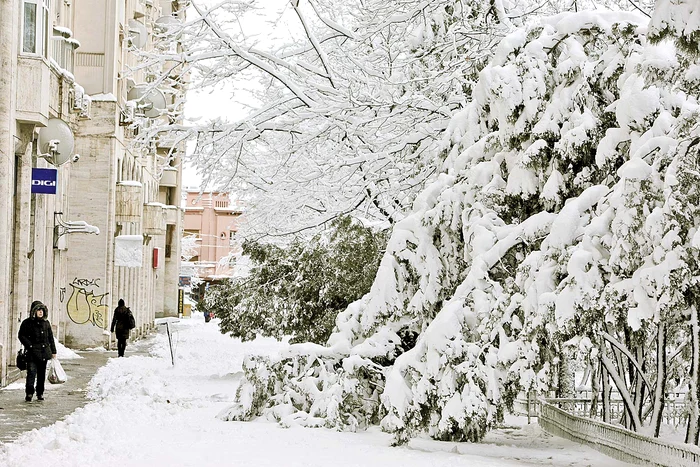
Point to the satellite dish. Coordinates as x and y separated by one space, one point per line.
168 25
138 34
149 103
56 141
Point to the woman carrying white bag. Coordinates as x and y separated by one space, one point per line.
36 337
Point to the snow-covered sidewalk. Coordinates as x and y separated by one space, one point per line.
145 412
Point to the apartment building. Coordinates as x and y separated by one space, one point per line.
86 217
211 223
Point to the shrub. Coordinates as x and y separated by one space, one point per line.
300 289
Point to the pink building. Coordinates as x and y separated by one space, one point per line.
211 220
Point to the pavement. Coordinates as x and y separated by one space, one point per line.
60 400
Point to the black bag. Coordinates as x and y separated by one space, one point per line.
132 321
22 360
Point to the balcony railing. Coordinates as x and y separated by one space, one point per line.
62 51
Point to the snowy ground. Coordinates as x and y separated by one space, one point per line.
146 412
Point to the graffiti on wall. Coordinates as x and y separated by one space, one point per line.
84 306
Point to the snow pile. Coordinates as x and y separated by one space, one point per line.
147 413
566 213
64 353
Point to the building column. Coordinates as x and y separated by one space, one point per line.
8 65
24 235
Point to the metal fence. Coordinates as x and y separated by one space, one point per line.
675 411
615 441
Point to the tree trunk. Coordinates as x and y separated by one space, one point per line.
661 375
566 376
617 370
595 389
691 434
606 392
585 378
630 409
639 391
627 378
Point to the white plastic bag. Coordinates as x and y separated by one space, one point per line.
56 373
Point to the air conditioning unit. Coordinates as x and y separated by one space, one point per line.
127 114
85 105
78 95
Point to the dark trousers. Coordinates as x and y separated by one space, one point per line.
36 371
121 345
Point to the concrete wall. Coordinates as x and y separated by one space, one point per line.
7 177
147 291
91 194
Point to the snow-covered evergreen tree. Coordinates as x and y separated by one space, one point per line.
563 222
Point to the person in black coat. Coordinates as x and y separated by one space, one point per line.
36 336
122 322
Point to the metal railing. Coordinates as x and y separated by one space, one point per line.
62 51
675 411
615 441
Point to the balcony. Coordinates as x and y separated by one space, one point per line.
62 52
172 214
153 219
33 95
129 201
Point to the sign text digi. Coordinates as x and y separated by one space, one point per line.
44 181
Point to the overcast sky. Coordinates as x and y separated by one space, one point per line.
207 104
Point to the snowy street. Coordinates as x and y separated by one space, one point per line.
144 412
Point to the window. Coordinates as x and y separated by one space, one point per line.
35 27
169 196
169 234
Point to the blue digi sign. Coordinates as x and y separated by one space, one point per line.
44 181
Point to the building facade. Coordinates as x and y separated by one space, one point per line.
65 65
211 223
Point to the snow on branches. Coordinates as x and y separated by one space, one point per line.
679 20
350 105
565 219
